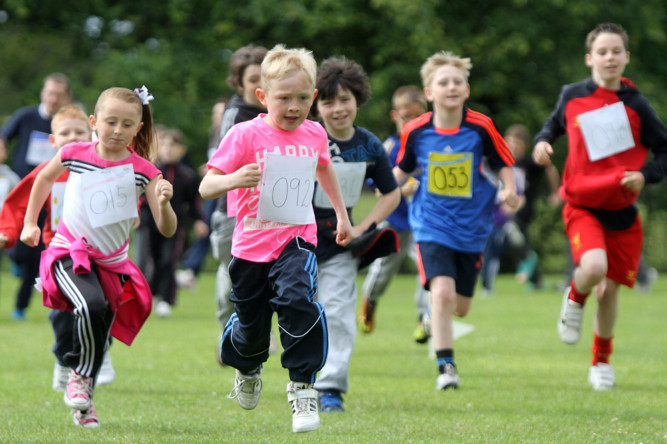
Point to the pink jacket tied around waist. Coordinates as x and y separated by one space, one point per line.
130 303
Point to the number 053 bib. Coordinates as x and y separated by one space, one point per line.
450 174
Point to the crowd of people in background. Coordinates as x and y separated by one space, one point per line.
453 193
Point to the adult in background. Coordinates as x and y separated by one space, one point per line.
30 127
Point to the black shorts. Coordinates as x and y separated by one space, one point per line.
437 260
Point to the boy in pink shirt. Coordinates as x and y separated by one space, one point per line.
272 161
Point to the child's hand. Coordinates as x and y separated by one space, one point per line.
248 176
633 181
410 187
164 190
344 232
200 228
3 240
542 153
509 198
30 235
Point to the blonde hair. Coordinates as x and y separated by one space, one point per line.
443 58
407 95
67 112
144 141
281 62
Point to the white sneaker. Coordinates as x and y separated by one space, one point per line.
60 377
247 389
601 376
303 398
186 279
569 324
163 309
448 379
107 374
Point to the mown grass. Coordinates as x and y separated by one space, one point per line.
519 383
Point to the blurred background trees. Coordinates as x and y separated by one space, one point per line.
523 51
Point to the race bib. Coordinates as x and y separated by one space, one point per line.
57 199
450 174
351 180
286 191
606 131
39 149
109 195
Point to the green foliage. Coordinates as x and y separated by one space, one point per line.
522 51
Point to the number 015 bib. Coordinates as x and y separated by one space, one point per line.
109 195
450 174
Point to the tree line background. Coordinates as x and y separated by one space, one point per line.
522 51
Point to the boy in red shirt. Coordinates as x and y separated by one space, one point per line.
610 128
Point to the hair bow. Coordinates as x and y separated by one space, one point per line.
143 94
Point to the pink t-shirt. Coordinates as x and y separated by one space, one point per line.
248 142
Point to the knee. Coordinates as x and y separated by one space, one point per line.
594 271
443 301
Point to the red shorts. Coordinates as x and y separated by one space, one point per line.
623 247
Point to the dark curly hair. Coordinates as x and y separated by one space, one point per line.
348 74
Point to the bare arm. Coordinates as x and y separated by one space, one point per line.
400 176
553 179
383 208
40 191
158 194
3 150
326 177
508 193
216 183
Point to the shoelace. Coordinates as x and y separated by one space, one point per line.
81 385
303 400
249 385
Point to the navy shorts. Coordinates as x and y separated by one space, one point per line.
437 260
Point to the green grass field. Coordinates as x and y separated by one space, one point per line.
518 382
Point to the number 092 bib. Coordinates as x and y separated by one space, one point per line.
450 174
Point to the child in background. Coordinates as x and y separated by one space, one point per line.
601 182
358 155
162 253
451 149
274 268
68 125
408 103
8 181
86 268
244 77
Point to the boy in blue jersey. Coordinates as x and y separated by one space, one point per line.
451 150
408 103
357 155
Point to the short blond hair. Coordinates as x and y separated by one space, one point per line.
281 62
443 58
67 112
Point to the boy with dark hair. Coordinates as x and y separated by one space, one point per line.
358 155
602 179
